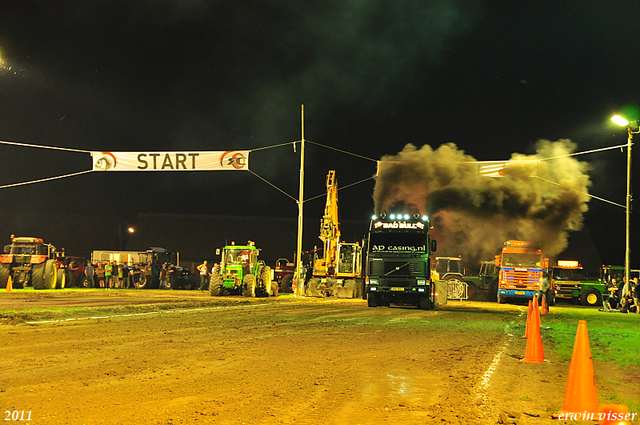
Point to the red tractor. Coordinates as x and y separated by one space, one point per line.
29 262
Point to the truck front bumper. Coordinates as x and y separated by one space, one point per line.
516 293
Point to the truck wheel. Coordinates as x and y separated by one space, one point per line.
372 299
215 285
424 302
591 297
37 276
501 300
249 285
4 275
285 284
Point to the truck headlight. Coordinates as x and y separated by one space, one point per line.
422 282
373 281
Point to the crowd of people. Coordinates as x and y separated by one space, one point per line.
110 275
623 297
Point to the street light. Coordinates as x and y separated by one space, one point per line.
632 127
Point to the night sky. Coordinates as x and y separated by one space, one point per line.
492 77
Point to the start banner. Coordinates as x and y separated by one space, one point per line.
170 161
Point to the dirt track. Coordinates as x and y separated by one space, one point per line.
186 358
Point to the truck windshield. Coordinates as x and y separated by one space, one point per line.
521 260
568 274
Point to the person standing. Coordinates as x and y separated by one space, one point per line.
124 269
545 284
100 275
108 271
89 272
204 275
163 276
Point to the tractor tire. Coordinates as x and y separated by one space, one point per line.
4 275
424 302
215 285
372 299
591 298
311 289
37 276
265 282
50 274
285 284
143 281
61 279
249 286
472 292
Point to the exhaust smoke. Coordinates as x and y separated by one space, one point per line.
475 207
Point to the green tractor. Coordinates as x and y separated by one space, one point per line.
240 272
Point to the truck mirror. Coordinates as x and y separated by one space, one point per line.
497 261
218 251
434 245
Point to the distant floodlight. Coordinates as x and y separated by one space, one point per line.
131 230
620 120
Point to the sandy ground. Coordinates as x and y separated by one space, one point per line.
160 357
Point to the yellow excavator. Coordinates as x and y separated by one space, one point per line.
337 268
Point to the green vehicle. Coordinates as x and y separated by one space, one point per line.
570 283
484 286
241 273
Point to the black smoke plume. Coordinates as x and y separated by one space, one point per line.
537 198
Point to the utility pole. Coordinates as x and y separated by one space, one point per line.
300 283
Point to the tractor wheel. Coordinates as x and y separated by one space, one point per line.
285 284
265 282
215 285
50 274
249 285
61 279
372 299
143 279
37 276
4 275
591 297
472 291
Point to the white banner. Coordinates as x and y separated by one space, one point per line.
170 161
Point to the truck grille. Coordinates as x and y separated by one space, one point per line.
398 268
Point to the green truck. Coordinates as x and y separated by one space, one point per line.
241 273
570 283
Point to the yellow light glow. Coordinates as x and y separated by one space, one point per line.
619 120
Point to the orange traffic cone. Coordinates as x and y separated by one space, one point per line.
580 396
545 307
9 284
529 313
534 352
614 414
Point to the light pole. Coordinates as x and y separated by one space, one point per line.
631 126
